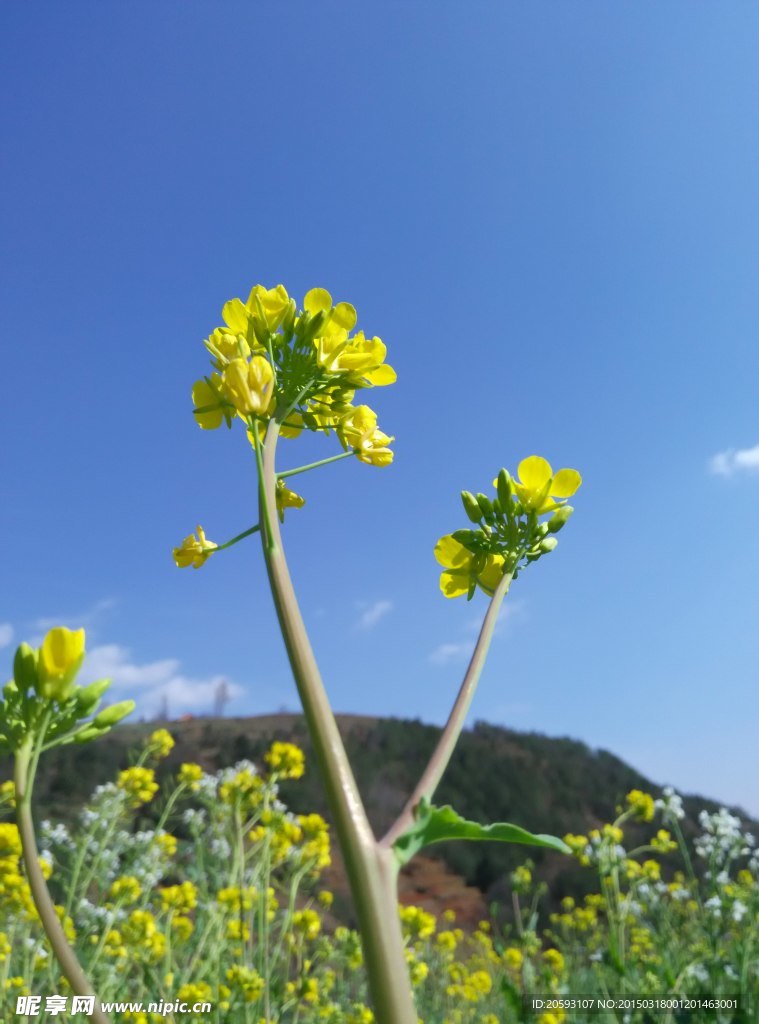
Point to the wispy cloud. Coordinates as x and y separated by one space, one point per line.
153 683
451 652
461 650
6 634
735 460
372 613
88 619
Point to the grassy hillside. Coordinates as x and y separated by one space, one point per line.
543 784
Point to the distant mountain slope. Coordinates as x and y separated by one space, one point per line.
544 784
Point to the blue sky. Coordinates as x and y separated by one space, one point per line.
550 215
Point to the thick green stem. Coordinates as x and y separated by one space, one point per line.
372 871
449 737
72 971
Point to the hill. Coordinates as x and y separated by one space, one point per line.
544 784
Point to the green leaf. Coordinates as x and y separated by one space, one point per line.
439 824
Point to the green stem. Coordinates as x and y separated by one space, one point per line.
449 737
240 536
314 465
25 767
372 871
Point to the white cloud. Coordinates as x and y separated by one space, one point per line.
372 614
451 652
455 651
6 634
735 460
152 683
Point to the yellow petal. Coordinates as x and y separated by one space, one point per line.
565 483
61 649
235 316
344 315
454 584
316 300
491 575
451 554
534 472
381 375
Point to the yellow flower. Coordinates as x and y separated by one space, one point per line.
160 743
287 499
249 386
8 793
462 567
139 784
273 302
285 760
417 923
538 484
182 898
190 776
337 319
125 889
210 405
358 430
194 551
61 656
641 803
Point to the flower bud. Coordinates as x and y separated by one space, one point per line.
90 733
111 715
60 658
25 667
10 690
88 697
469 538
546 545
471 507
486 505
505 489
559 518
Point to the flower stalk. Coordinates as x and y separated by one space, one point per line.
372 869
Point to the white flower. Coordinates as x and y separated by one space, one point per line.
738 910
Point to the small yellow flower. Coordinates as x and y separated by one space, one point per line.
190 775
285 760
160 743
61 656
211 408
139 784
286 498
249 386
642 804
125 889
358 430
538 484
462 567
194 551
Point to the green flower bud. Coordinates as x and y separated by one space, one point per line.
471 539
25 667
90 733
111 715
541 530
10 691
88 697
559 518
546 545
471 507
486 505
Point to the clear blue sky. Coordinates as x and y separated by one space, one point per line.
549 213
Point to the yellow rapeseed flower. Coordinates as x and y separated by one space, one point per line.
538 485
358 430
160 743
194 551
190 775
61 656
285 498
249 386
461 567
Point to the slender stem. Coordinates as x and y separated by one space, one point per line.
70 967
438 762
240 536
313 465
372 871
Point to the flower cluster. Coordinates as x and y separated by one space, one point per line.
510 533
